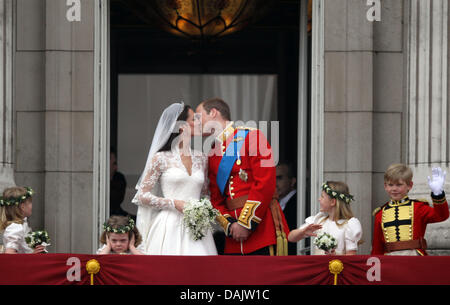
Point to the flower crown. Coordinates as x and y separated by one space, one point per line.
17 200
120 230
335 194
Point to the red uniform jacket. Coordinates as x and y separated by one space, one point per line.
406 221
254 175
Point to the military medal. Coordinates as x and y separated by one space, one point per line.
243 175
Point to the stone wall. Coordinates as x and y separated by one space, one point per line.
54 67
386 100
363 101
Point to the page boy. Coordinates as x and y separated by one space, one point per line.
400 224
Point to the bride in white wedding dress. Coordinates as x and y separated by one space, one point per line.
173 175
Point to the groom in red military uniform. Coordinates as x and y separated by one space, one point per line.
242 183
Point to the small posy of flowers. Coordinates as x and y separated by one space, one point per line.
325 242
199 217
34 239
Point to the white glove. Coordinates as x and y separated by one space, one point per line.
437 181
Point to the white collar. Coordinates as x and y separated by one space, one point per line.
285 199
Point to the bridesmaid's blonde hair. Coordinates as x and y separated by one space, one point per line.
12 213
343 209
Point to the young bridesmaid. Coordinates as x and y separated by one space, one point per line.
120 236
335 218
16 206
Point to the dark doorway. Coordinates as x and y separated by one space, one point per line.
270 46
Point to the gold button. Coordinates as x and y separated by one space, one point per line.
231 188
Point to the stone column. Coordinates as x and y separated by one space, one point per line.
428 97
69 125
53 107
29 99
428 122
6 95
348 104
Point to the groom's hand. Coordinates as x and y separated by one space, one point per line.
239 233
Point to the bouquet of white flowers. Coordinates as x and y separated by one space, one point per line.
37 238
325 242
199 216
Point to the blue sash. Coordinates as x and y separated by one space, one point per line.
229 158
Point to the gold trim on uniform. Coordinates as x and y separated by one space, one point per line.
439 201
376 211
399 217
223 222
228 131
246 128
248 214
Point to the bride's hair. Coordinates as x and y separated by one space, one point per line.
182 117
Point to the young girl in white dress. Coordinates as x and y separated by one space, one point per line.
15 207
335 218
120 236
172 176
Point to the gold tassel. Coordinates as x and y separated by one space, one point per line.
279 243
92 267
336 267
285 244
271 250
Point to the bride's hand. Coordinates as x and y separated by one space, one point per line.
179 205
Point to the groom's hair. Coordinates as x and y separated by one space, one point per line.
219 105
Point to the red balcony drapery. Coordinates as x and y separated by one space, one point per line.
53 269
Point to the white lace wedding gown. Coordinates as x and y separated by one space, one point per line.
159 222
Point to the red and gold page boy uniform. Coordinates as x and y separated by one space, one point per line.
400 225
242 184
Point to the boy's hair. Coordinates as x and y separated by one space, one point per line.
219 105
116 222
397 172
11 213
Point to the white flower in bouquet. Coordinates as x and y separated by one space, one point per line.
34 239
199 216
325 242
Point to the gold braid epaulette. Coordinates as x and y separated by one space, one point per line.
246 128
379 209
376 211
